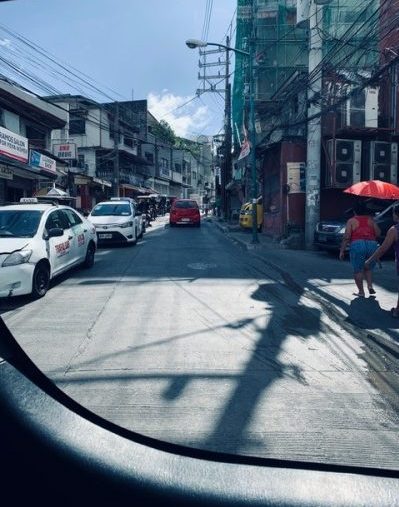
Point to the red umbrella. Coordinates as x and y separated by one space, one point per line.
374 188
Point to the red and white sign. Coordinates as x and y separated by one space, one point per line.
245 149
66 151
13 145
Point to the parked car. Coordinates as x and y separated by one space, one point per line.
329 233
184 212
38 242
117 221
245 219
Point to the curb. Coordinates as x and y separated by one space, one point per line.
370 338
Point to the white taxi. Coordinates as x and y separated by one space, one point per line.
38 242
117 221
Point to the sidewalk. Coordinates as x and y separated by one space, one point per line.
329 280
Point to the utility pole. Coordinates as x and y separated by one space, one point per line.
227 138
312 208
116 151
255 238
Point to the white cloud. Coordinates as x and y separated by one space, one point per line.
189 118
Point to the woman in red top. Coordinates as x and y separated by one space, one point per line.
362 233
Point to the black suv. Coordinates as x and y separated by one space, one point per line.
329 233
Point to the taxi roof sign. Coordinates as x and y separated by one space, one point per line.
28 200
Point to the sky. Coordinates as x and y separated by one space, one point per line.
134 48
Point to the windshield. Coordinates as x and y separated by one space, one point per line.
186 204
105 210
19 224
235 312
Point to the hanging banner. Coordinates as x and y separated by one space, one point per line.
13 145
245 150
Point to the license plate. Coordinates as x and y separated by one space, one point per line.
105 236
185 220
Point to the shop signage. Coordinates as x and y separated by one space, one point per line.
296 177
81 180
13 145
39 160
6 173
66 151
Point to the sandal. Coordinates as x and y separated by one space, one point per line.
371 290
395 313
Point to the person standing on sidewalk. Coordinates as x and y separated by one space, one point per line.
391 239
362 233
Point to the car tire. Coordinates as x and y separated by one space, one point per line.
40 280
89 259
134 242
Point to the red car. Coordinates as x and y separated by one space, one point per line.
184 212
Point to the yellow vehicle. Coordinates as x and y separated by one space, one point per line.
246 214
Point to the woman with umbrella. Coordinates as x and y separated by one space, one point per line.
361 232
391 239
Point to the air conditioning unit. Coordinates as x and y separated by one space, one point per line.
343 163
384 161
362 109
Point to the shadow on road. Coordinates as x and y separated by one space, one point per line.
263 368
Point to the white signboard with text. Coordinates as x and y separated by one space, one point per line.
13 145
65 151
296 177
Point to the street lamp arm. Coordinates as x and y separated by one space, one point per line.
228 48
196 43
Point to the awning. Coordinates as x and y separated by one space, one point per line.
25 171
127 186
103 183
150 190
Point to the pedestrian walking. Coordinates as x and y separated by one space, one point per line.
361 233
391 239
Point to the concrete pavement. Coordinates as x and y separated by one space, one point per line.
331 282
189 339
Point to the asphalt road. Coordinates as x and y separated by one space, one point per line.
188 339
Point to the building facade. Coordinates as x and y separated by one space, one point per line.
26 162
358 104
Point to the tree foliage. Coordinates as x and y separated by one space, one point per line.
164 132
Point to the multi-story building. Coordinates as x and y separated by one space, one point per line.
101 142
146 163
351 129
26 162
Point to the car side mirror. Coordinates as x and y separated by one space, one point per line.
55 232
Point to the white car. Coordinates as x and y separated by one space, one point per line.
116 221
38 242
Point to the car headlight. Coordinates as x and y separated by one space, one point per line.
342 230
126 224
17 258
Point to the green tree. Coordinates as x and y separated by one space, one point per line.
164 132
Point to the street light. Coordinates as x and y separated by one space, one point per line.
196 43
